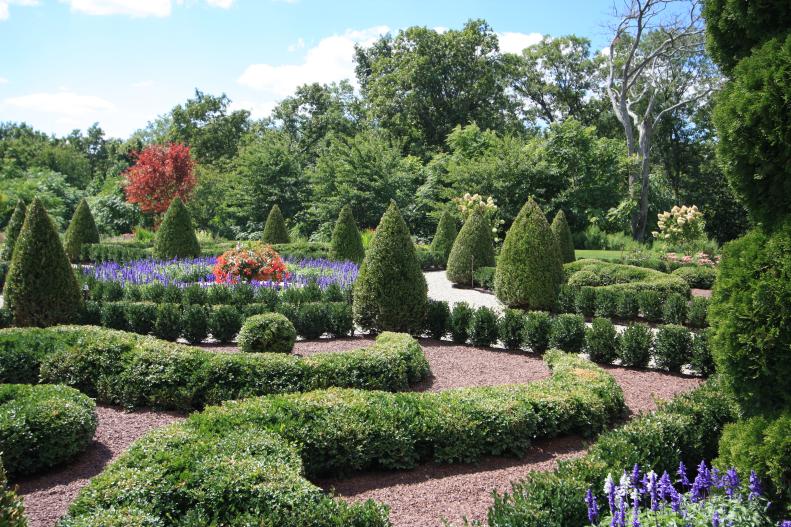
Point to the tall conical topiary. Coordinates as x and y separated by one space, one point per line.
82 229
390 293
41 288
12 230
275 229
560 228
530 270
176 236
347 244
444 237
473 248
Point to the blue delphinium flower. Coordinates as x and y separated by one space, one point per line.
754 486
593 507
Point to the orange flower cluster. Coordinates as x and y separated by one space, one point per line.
243 264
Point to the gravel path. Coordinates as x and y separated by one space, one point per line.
440 288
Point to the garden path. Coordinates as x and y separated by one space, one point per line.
440 288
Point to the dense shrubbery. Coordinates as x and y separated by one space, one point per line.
443 239
336 431
268 332
126 369
672 347
568 333
346 244
460 318
635 346
12 510
560 228
698 276
82 230
483 327
620 277
535 334
275 230
437 319
43 426
484 277
601 341
176 236
12 230
472 249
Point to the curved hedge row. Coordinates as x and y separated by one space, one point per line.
132 370
43 426
620 277
244 461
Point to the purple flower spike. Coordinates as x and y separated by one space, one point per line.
636 508
754 486
715 519
682 475
593 507
609 491
732 482
636 476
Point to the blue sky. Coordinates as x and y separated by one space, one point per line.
65 64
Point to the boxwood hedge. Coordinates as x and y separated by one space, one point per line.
132 370
619 277
42 426
243 462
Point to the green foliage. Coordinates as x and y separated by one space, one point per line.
483 327
607 302
176 237
701 360
698 312
195 294
460 318
763 444
43 426
168 322
560 228
130 370
601 341
437 319
529 270
13 229
568 333
275 230
141 317
40 288
635 345
751 322
510 328
698 276
446 233
113 315
585 302
12 509
194 323
390 291
224 323
620 277
82 230
674 311
673 347
535 335
484 277
340 319
347 244
650 305
270 332
311 319
472 249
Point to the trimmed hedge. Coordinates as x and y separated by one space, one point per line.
82 230
176 237
347 244
270 332
560 228
13 229
275 230
697 276
272 441
620 277
686 429
43 426
130 370
472 249
443 239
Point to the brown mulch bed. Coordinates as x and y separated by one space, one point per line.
48 495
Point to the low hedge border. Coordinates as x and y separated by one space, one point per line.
686 429
126 369
244 461
620 277
42 426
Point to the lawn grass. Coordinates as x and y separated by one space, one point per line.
598 254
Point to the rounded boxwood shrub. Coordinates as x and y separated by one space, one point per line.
567 299
42 426
460 322
560 228
443 239
153 292
82 229
194 294
701 360
674 310
224 323
472 249
312 320
141 317
567 333
437 319
697 276
585 303
635 344
698 312
529 270
751 320
390 293
510 328
650 305
606 302
13 229
601 341
673 347
341 319
194 324
243 294
219 294
267 333
346 243
41 288
176 237
168 322
275 230
113 315
535 333
483 327
628 304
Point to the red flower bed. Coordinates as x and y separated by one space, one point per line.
244 264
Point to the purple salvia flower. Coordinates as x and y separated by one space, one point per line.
701 484
754 486
593 507
665 486
651 488
609 491
732 482
636 476
715 519
785 523
636 508
682 475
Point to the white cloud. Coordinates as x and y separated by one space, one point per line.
258 110
3 80
133 8
222 4
4 10
332 59
299 44
514 42
68 104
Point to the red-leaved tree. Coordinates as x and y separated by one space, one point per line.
161 173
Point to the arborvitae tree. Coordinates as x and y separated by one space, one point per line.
41 288
473 248
82 229
347 244
390 291
275 229
176 237
560 228
12 230
530 270
444 237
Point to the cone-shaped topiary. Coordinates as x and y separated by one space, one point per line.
82 229
275 229
473 248
560 228
444 237
347 244
176 237
12 230
529 271
41 288
390 291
